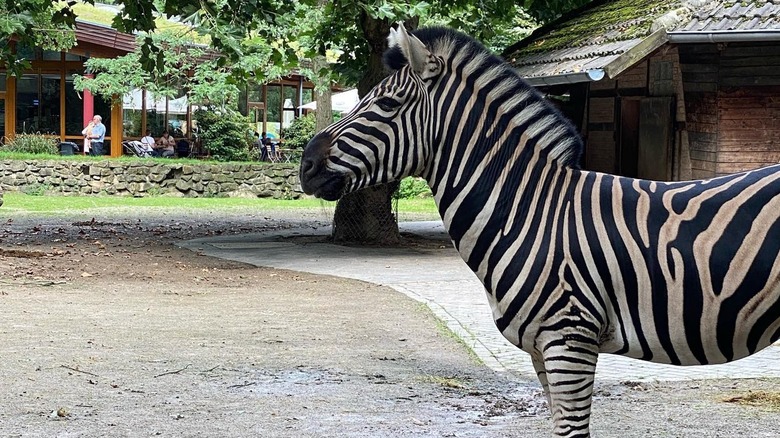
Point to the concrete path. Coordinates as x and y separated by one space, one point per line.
440 278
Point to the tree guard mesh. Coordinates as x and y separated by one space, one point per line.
369 216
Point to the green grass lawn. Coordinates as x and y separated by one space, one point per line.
21 204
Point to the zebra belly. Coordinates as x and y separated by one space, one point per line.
717 335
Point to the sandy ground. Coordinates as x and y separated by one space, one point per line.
108 329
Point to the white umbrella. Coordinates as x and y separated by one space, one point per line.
342 102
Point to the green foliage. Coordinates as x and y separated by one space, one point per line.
36 189
224 134
115 77
548 10
496 36
229 25
32 144
263 37
412 187
213 82
300 132
34 23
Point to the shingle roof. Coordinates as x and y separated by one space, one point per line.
745 15
104 36
595 36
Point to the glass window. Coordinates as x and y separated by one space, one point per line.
24 51
308 95
103 109
289 111
274 110
74 108
131 123
50 104
177 115
2 80
155 114
290 96
48 55
255 93
131 113
256 115
27 104
72 57
38 104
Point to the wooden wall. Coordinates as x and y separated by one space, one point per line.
732 95
749 107
749 119
727 116
653 77
600 149
599 128
698 64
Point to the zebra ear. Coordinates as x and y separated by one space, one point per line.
420 59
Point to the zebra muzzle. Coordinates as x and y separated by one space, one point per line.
316 178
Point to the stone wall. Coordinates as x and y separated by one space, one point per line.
144 178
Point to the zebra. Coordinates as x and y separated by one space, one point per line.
574 263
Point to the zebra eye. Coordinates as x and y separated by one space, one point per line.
387 104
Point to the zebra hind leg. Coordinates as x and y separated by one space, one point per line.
570 368
541 374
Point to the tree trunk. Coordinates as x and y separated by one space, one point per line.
366 216
324 113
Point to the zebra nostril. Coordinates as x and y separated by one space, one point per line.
308 167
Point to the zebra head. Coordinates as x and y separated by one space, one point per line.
386 136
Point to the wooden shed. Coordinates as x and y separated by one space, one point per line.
664 90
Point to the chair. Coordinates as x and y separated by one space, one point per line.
285 155
273 155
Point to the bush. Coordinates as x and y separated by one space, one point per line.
300 131
36 189
412 187
32 144
224 134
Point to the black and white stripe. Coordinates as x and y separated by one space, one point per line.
575 263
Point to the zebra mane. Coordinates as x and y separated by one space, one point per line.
451 45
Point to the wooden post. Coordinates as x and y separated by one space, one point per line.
116 128
10 107
88 104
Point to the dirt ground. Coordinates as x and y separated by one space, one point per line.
108 329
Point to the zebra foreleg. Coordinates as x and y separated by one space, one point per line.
569 368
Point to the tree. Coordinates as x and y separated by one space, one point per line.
229 23
366 216
33 23
358 28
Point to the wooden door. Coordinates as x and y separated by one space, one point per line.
629 137
656 131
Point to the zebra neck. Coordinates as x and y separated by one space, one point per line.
487 191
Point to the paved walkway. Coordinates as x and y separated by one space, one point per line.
439 278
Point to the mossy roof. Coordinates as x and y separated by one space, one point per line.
598 22
593 36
